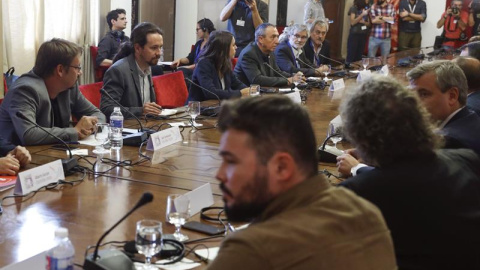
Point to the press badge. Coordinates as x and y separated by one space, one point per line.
241 23
364 27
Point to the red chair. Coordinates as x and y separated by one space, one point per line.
92 92
234 62
170 89
98 70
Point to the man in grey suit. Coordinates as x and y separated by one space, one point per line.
48 95
257 64
129 80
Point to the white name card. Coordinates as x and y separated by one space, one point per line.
337 85
384 70
199 198
364 75
164 138
295 96
38 177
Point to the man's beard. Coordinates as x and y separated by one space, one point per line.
243 211
153 61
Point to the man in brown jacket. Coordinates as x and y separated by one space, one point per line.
269 177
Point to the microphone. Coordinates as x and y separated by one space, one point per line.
331 59
210 110
67 164
276 72
135 139
306 64
330 154
114 259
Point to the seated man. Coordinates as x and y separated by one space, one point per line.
471 68
317 48
257 65
129 80
12 158
110 43
291 55
442 88
269 176
429 197
48 95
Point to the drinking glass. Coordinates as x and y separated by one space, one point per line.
297 79
326 72
148 240
178 211
102 135
193 110
254 90
335 139
365 62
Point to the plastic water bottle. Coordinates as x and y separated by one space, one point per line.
116 125
61 256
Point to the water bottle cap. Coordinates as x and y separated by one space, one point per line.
116 109
61 232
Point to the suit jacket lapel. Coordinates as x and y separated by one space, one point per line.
135 76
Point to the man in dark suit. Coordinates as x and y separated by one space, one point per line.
48 95
429 197
317 48
471 68
290 53
257 65
129 80
13 157
442 88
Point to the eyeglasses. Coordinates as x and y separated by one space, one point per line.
77 67
300 37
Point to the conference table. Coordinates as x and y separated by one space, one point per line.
90 207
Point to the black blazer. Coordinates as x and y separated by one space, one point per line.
473 102
324 51
432 207
462 131
286 60
251 68
206 75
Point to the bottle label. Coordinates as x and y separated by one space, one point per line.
59 264
116 123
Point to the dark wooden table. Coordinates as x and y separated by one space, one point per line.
90 207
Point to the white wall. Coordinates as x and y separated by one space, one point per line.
435 8
125 4
185 24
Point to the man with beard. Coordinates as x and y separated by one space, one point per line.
257 65
129 79
269 177
48 95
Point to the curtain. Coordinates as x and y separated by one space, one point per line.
28 23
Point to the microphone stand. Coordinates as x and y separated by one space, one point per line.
278 73
324 155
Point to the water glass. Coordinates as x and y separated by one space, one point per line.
178 211
148 240
193 110
254 90
102 136
365 62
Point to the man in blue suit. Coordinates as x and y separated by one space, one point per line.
471 68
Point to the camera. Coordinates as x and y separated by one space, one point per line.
455 11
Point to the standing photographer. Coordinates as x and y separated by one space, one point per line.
474 17
454 22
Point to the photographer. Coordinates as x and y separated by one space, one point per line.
454 22
474 17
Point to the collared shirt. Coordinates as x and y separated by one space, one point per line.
382 30
143 76
316 54
442 125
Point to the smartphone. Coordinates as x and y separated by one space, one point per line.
203 228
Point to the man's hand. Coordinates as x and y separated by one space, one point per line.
449 11
9 165
252 4
245 92
152 108
345 163
86 126
21 154
175 64
403 14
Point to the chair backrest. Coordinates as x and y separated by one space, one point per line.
234 62
92 92
98 71
170 89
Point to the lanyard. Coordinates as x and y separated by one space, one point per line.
410 6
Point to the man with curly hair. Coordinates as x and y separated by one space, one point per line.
429 197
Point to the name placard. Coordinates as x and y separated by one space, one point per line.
337 85
295 96
38 177
164 138
364 75
199 198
